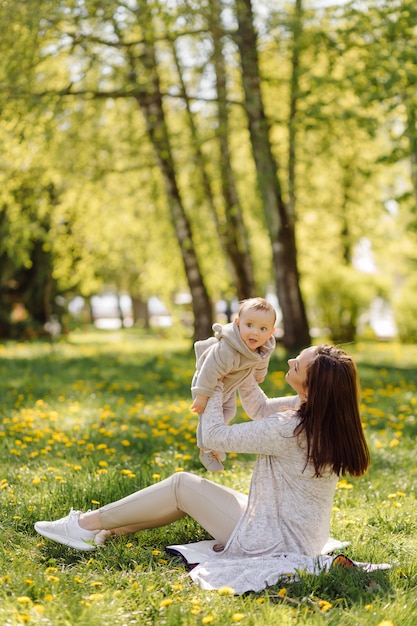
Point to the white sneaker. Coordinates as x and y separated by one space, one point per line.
68 532
212 460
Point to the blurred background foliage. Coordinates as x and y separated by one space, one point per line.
204 152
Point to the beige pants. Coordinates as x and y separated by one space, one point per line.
216 508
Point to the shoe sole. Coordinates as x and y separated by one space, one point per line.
65 541
213 465
214 468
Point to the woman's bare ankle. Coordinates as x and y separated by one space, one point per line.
90 521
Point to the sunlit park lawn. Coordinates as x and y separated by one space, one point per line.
95 416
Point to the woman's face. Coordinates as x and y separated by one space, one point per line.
297 373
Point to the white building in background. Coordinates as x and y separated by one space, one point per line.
380 316
107 309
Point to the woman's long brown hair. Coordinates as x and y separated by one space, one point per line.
330 417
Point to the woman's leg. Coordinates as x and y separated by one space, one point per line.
216 508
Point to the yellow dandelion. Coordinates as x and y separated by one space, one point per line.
127 472
96 583
237 617
226 591
324 605
207 619
94 597
49 597
36 481
156 552
23 599
282 592
386 622
53 579
38 609
166 602
343 484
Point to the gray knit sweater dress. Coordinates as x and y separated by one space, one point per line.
289 509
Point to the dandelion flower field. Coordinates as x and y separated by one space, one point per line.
96 416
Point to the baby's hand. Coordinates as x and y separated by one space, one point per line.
260 379
199 404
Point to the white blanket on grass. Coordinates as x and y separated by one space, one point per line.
215 570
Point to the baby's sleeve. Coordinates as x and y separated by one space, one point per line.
218 363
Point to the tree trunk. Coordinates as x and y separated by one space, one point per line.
279 221
412 141
294 96
236 234
149 98
140 311
120 310
232 235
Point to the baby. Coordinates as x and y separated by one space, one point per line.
238 350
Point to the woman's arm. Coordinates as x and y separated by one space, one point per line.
262 436
257 405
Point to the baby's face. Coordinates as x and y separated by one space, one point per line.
255 327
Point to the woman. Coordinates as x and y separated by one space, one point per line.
303 442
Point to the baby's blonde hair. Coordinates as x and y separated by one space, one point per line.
257 304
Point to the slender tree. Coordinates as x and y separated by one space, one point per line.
232 233
149 98
235 231
280 221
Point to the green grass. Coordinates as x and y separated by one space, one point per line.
96 416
